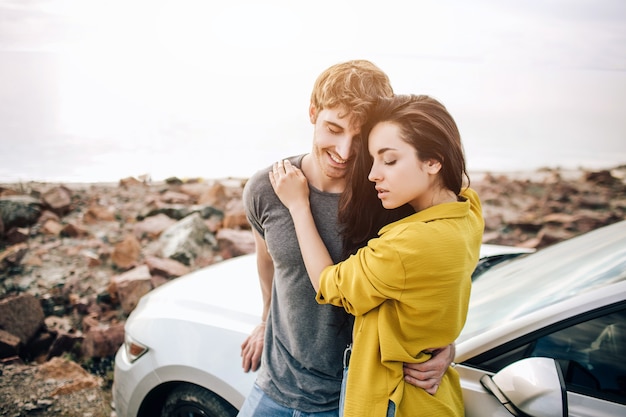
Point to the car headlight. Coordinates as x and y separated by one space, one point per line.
134 349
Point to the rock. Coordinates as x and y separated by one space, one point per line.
126 253
40 344
67 259
96 213
74 230
172 197
17 235
215 196
183 240
65 342
9 344
602 177
173 211
83 284
51 227
235 216
22 316
130 286
165 267
37 390
151 227
58 200
71 375
103 341
19 211
234 243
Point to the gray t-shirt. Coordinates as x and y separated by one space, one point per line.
301 366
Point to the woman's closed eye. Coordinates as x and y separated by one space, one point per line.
392 162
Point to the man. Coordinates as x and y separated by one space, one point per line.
302 343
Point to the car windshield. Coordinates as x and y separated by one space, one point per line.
526 284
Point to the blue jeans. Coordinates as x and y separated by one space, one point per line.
258 404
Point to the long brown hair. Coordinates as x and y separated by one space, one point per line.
426 125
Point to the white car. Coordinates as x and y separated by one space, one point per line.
545 336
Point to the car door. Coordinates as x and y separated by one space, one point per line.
591 352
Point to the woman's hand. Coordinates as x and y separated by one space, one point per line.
290 184
292 188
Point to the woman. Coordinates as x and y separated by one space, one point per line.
409 287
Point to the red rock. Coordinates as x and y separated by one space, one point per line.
74 230
73 377
96 213
51 227
194 190
103 341
130 286
47 215
126 253
166 267
21 316
58 199
235 216
234 243
158 280
172 197
152 227
214 196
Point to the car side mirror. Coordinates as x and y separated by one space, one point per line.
531 387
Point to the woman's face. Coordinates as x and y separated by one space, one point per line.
399 175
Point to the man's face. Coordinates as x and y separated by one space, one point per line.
332 141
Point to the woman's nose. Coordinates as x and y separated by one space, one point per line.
373 176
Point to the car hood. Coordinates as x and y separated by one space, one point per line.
229 289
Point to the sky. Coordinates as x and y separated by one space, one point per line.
91 88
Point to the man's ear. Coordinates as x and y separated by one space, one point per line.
312 113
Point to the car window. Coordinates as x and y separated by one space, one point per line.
592 355
526 284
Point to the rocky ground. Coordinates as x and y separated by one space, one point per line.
75 256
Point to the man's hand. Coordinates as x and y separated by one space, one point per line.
427 375
252 348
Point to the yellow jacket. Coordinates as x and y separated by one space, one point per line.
409 291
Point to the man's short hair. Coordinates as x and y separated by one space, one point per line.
353 86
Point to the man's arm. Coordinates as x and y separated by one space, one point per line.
427 375
252 347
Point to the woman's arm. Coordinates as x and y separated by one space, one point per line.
292 189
